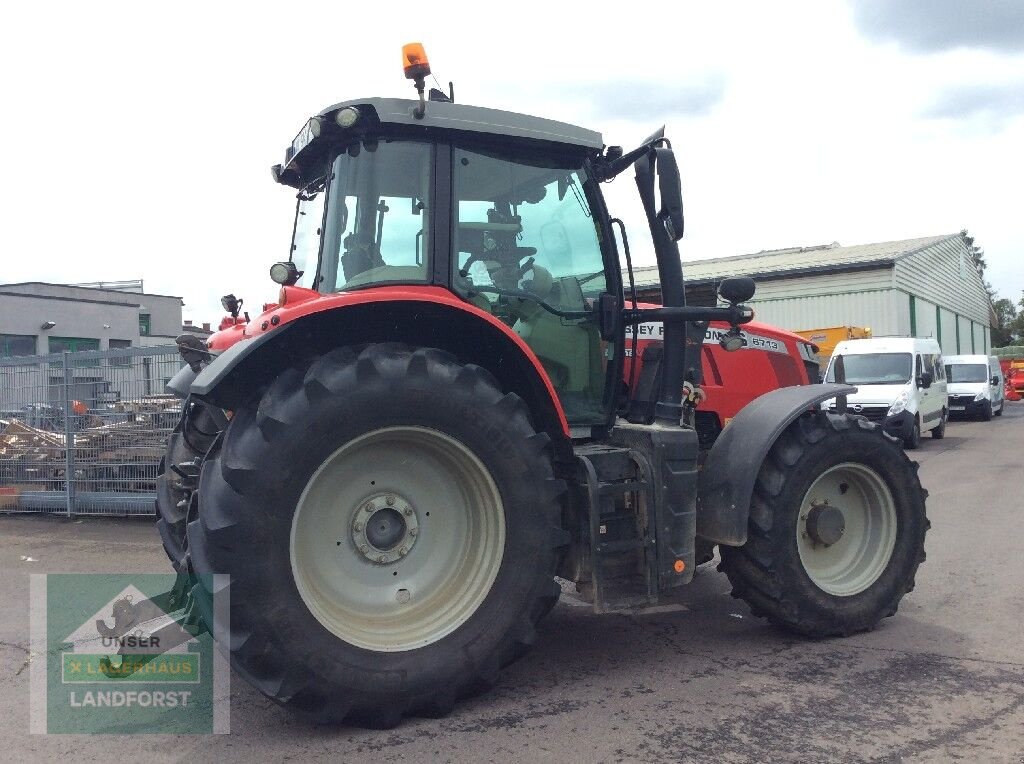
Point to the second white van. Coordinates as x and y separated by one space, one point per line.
901 384
975 385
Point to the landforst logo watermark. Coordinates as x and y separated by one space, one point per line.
125 653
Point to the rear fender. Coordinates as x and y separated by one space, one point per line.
473 336
730 471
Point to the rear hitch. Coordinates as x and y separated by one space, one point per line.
144 630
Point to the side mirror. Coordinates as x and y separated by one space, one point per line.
994 381
670 193
925 380
737 290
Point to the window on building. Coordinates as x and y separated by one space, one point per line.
17 344
122 360
75 345
145 324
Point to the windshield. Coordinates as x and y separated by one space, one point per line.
874 368
966 372
309 215
376 229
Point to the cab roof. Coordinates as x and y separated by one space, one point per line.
474 119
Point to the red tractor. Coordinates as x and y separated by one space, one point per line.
394 462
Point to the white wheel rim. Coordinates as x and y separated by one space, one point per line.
858 558
441 539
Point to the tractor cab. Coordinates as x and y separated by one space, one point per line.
513 226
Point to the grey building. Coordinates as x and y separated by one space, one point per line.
927 287
38 318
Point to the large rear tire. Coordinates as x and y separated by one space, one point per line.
836 530
390 524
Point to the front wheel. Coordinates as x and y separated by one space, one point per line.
986 412
940 432
913 441
177 479
390 524
836 530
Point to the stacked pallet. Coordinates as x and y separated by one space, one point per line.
117 449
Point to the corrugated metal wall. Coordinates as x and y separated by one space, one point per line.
964 336
944 274
941 279
926 323
880 310
948 332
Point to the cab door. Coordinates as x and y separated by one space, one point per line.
995 372
929 406
528 249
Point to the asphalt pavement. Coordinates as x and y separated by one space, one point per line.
697 679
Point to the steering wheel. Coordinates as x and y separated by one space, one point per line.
521 252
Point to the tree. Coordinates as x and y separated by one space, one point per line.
1006 329
1016 326
977 254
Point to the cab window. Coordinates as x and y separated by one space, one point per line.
376 227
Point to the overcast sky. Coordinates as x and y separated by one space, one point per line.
138 136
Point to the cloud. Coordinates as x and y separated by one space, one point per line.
931 26
991 103
644 100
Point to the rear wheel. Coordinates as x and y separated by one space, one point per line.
836 530
390 523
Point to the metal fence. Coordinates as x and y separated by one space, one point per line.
83 433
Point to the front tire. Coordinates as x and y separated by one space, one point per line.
177 479
986 412
940 432
390 523
913 441
836 530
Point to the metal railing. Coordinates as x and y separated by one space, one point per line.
83 433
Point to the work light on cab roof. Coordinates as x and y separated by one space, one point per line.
416 66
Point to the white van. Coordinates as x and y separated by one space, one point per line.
901 384
975 385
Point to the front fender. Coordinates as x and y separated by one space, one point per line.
730 470
222 367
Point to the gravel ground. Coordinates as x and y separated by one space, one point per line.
698 679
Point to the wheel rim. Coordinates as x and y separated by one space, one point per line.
846 531
397 538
